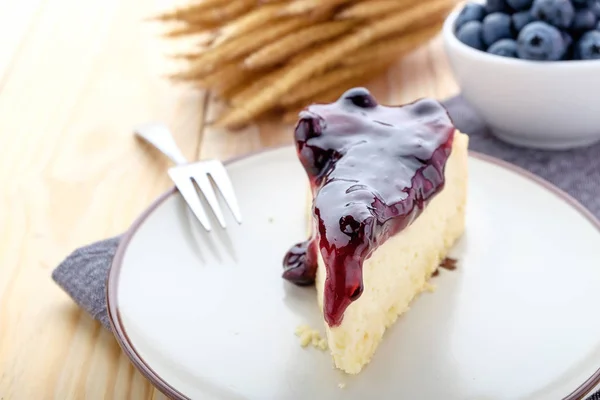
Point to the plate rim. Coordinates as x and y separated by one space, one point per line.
163 386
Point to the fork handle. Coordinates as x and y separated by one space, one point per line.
161 138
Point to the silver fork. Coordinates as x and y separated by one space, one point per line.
184 174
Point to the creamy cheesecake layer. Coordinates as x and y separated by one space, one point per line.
399 269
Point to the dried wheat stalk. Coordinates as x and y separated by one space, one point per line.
274 57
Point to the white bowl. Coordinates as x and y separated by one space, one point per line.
546 105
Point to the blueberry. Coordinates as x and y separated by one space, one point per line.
504 47
520 4
598 26
567 38
470 12
559 13
588 47
492 6
520 19
360 97
540 41
496 26
594 6
585 20
470 34
579 3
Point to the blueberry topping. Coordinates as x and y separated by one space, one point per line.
355 292
496 26
492 6
382 166
584 20
520 4
504 47
360 97
559 13
470 34
520 19
588 47
540 41
470 12
425 108
300 264
311 126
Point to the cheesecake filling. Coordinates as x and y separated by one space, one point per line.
372 170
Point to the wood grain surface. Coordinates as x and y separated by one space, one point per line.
75 78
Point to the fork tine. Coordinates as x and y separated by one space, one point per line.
207 190
221 178
189 193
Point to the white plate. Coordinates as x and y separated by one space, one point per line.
209 317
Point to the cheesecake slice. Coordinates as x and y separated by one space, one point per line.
388 187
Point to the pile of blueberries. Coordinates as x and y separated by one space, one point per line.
541 30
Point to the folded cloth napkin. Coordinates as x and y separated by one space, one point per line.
83 274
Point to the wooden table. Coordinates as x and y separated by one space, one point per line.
75 77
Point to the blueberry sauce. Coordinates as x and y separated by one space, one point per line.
372 170
301 263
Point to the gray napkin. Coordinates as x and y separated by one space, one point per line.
83 273
83 276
